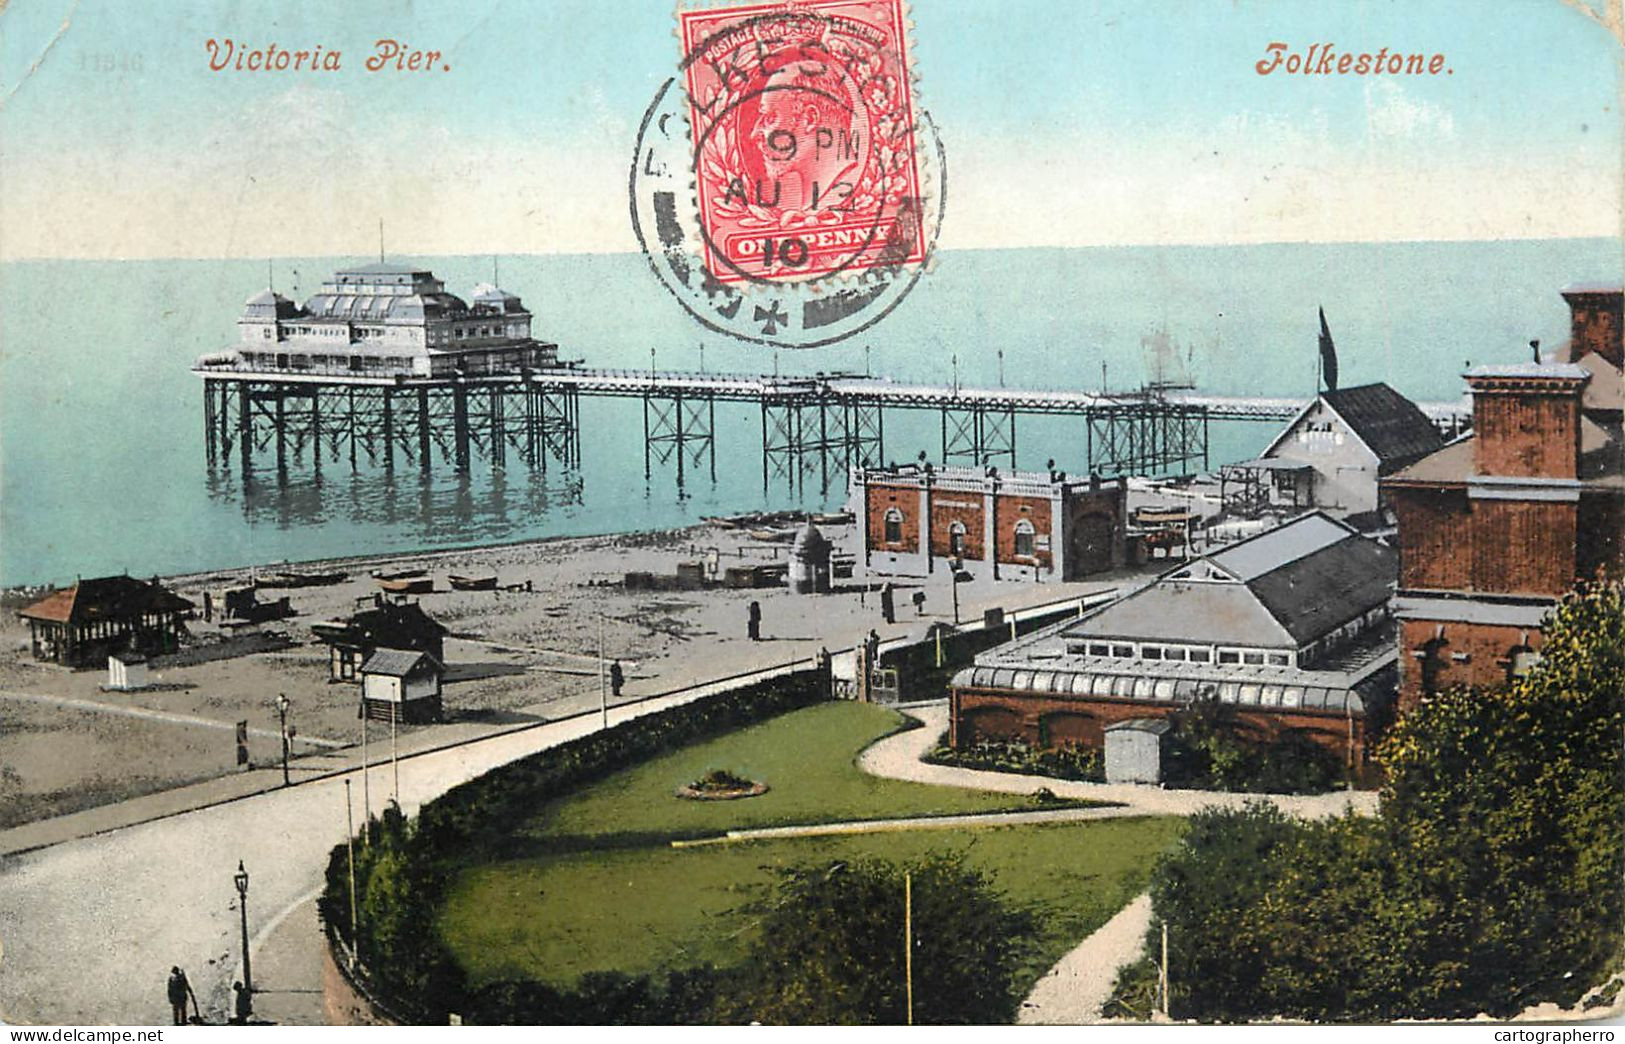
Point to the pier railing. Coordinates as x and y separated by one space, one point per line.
815 426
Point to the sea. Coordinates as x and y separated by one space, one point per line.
102 453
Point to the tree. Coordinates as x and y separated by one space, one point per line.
830 948
1491 878
1504 809
1208 891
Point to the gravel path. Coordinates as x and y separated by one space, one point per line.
883 826
898 757
1073 992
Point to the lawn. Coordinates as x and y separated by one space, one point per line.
594 884
660 908
808 760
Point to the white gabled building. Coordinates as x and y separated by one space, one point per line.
1330 456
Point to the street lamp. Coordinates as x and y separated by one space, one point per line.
282 704
241 880
959 577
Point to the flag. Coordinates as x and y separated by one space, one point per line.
1328 355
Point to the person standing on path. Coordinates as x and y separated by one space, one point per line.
243 1005
179 989
888 604
753 621
617 678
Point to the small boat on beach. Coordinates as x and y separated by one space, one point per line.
487 582
400 574
288 579
407 585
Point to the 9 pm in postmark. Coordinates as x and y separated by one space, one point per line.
785 188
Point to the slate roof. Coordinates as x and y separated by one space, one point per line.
1187 611
1605 392
388 625
1391 425
1275 547
396 663
1292 585
1320 592
105 598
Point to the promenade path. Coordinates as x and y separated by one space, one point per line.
90 926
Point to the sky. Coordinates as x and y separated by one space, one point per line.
1064 124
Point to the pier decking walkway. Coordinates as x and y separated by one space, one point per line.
817 425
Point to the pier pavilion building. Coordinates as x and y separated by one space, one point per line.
385 319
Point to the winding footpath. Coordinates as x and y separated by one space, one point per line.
1073 992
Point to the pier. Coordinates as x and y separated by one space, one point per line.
811 427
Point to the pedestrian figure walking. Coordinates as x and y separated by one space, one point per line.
243 1005
753 621
179 991
888 604
919 603
871 648
617 678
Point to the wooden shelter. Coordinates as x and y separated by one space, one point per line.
82 625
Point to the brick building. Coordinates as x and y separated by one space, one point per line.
1067 528
1291 627
1496 526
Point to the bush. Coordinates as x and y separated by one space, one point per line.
721 780
830 949
684 998
1208 749
1069 762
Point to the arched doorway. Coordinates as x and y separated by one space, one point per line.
1091 545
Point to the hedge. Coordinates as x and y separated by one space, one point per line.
404 868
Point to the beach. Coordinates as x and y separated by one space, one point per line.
524 653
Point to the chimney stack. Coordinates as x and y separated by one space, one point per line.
1526 419
1595 321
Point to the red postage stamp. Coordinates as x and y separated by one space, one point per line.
803 128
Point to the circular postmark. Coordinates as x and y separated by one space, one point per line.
784 189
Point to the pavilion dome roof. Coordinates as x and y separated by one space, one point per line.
268 304
488 295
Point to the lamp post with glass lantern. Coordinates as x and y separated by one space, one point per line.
241 881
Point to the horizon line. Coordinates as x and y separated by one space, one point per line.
36 258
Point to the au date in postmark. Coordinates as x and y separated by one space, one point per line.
785 188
